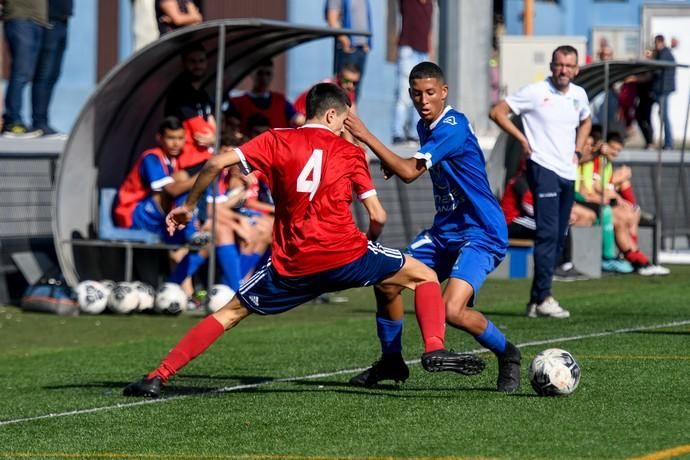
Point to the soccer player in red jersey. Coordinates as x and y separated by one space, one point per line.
317 247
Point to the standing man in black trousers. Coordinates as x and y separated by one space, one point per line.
556 118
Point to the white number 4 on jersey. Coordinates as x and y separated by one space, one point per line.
313 168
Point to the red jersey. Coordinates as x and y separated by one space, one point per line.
517 200
312 173
193 153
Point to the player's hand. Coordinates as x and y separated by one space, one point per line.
526 148
205 138
606 151
177 219
345 42
355 126
387 173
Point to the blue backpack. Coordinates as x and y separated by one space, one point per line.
50 295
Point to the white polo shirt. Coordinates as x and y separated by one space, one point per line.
550 119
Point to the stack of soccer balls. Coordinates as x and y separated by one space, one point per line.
95 297
554 372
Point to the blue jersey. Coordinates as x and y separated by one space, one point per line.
465 207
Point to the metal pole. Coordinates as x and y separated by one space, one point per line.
682 186
528 17
657 179
604 133
220 73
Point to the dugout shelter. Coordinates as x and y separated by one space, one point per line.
120 120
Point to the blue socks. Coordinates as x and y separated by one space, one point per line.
229 261
187 267
248 262
492 338
390 334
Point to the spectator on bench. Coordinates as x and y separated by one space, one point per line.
626 215
151 189
271 104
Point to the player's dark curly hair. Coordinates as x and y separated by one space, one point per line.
324 96
427 69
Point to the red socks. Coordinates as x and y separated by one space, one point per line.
198 339
637 258
431 315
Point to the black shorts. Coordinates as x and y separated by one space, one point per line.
596 207
521 232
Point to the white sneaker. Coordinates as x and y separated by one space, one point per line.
653 270
531 310
551 308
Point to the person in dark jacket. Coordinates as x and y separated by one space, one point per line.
663 85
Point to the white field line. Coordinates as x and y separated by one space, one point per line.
322 375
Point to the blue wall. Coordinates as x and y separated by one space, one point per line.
577 17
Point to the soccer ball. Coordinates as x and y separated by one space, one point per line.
554 372
220 295
123 299
92 297
170 299
147 295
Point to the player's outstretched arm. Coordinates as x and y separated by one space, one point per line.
179 217
377 216
408 169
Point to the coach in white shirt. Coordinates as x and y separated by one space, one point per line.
556 118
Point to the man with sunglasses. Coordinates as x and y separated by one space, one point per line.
556 118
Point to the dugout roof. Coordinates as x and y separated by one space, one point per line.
120 118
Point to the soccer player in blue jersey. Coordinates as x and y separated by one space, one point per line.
467 239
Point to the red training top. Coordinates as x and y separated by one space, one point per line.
134 188
275 112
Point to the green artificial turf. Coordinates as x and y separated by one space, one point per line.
256 393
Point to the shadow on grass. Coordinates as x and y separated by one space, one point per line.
662 332
255 384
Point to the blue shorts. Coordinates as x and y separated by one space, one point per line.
268 292
468 260
149 216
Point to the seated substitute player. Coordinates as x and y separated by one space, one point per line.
467 240
261 99
150 189
317 246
